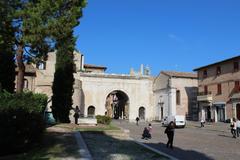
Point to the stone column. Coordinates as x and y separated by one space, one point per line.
76 98
77 93
234 109
172 102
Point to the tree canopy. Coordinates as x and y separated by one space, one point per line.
7 40
40 24
33 28
63 78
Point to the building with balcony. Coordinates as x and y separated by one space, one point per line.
219 90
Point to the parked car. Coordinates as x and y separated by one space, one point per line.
178 119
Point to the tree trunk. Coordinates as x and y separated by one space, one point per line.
21 69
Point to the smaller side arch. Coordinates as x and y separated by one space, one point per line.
141 113
91 111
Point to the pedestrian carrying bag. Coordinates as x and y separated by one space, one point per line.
166 130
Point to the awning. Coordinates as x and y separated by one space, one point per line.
235 96
205 103
219 103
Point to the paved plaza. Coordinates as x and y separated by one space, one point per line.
213 142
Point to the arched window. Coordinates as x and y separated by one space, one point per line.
178 97
141 113
91 111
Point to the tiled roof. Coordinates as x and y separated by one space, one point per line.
179 74
229 59
94 66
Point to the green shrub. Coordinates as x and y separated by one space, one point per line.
103 119
21 120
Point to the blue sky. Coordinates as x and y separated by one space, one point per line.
175 35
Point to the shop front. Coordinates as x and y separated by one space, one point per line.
235 99
219 111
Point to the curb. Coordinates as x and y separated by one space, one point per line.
83 150
154 150
148 147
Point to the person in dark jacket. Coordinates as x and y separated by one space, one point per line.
137 119
146 135
170 134
76 114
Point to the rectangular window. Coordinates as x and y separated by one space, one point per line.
205 90
218 71
219 89
25 84
237 86
235 66
205 73
41 65
178 97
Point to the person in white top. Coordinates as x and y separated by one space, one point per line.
202 122
238 127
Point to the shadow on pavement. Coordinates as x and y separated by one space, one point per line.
106 147
180 153
228 136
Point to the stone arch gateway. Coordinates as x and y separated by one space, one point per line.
133 91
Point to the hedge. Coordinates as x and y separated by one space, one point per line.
103 119
21 120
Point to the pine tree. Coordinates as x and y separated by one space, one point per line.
70 12
7 66
41 25
63 80
33 35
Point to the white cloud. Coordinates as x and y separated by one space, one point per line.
175 38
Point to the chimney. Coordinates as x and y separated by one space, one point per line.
141 69
132 72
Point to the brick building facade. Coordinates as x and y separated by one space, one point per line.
219 90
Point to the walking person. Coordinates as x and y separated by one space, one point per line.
202 122
137 119
76 114
170 134
238 127
233 127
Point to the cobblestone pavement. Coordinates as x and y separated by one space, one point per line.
213 142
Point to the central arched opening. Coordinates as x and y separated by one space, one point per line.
117 105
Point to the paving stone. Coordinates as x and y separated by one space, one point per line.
213 142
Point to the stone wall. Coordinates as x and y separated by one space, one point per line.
96 88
